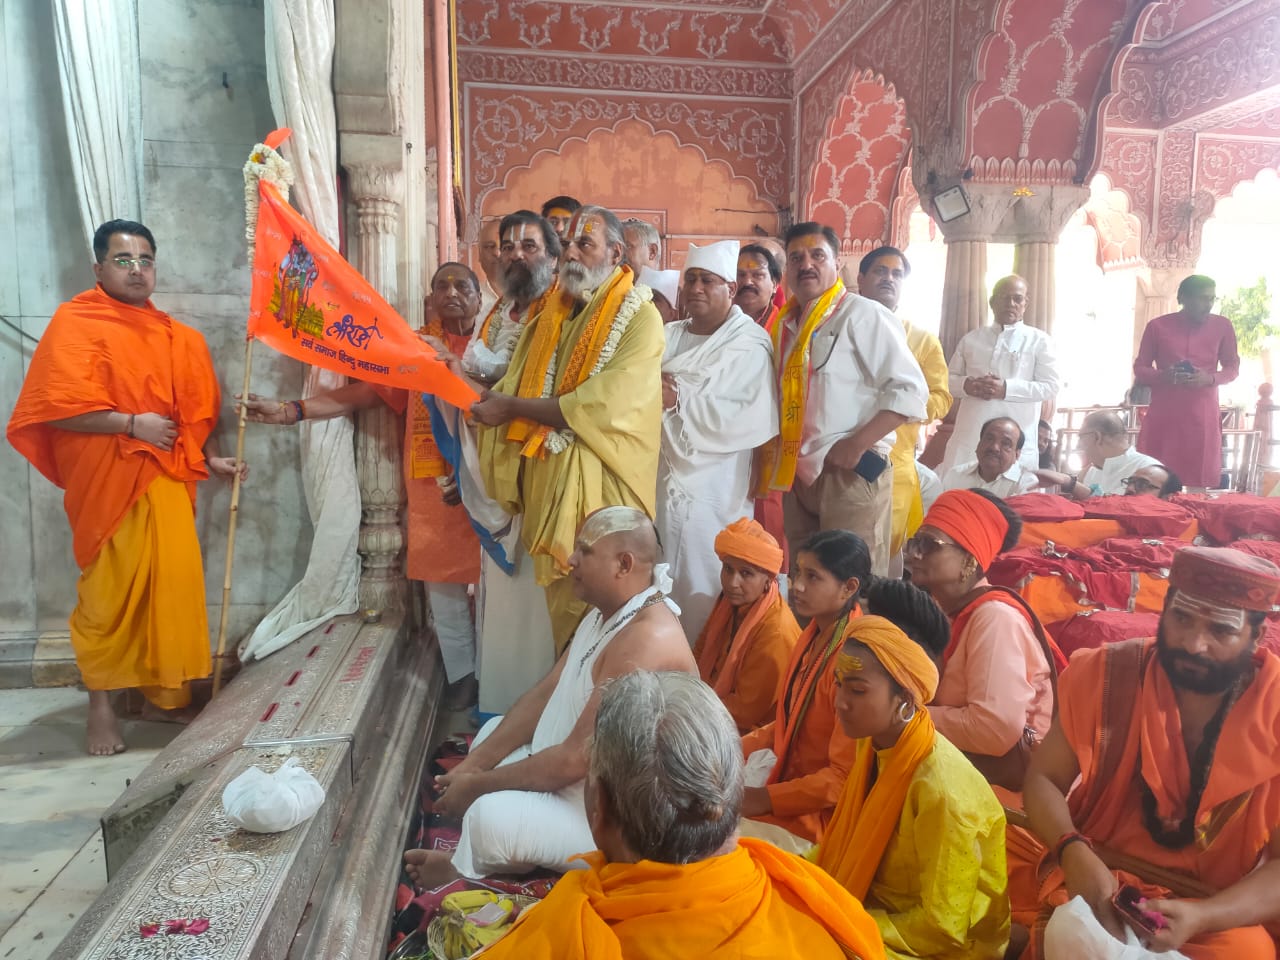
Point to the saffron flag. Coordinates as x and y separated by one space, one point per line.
310 304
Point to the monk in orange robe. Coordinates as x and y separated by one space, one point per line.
671 878
745 647
118 409
1173 741
813 753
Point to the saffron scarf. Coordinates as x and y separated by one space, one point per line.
425 460
791 714
548 326
779 457
868 813
718 627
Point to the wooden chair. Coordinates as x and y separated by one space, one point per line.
1240 459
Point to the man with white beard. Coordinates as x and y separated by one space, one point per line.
719 403
574 424
515 647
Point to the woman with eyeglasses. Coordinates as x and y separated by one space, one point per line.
917 836
996 695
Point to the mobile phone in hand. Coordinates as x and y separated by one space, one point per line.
1131 904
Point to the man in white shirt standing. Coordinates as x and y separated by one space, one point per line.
1111 460
719 403
997 468
846 381
1007 369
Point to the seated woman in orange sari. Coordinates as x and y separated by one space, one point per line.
813 753
997 681
917 836
747 642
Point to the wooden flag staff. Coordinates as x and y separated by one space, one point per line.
220 656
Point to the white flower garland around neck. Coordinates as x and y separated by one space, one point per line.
559 440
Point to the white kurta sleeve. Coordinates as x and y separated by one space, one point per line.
1044 381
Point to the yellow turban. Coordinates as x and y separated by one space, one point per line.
903 658
746 540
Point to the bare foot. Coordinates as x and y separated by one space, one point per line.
430 869
153 714
102 737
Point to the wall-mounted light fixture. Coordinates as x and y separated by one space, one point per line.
951 204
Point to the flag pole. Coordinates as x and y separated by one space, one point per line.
231 524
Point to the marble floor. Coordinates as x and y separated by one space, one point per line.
51 795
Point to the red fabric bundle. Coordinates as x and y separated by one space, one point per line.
1109 588
1045 508
1141 516
1085 631
1134 553
1232 516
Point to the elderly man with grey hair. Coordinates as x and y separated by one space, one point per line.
644 245
672 878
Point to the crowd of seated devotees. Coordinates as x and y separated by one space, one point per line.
877 768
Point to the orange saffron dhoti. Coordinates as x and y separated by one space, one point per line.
140 620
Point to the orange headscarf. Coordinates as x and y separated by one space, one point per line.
746 540
867 815
972 521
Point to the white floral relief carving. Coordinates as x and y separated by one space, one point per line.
535 21
473 20
714 30
595 24
656 28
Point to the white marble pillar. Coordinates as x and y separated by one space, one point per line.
376 191
1038 217
964 291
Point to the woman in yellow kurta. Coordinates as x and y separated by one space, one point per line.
917 836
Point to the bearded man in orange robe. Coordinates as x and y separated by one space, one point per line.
671 878
118 409
1174 744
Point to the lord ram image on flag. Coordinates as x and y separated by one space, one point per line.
307 302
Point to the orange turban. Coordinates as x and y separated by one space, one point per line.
746 540
970 520
903 658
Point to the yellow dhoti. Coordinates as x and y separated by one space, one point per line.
141 620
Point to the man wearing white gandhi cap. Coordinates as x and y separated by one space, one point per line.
665 285
719 403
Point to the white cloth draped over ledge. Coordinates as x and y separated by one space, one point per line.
300 38
100 72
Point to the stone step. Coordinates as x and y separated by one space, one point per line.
355 702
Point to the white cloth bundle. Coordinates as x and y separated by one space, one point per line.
271 802
1073 931
759 765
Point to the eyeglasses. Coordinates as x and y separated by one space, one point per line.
126 263
921 545
1138 483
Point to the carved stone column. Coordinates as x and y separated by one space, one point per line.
1038 218
964 288
376 191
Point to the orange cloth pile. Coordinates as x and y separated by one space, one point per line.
755 901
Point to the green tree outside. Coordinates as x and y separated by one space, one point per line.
1249 310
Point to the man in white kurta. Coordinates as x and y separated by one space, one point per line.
1109 460
1007 369
995 466
847 380
719 404
519 792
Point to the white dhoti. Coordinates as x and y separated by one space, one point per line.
515 831
516 647
451 614
688 529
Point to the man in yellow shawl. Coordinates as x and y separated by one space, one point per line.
880 277
575 423
918 835
671 878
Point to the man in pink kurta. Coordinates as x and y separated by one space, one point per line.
1183 358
